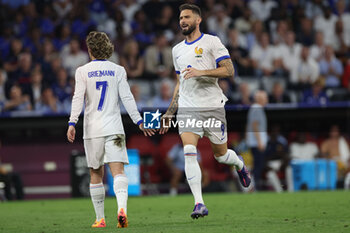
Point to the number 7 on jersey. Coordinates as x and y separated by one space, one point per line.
104 86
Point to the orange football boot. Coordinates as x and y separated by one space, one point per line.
122 219
100 223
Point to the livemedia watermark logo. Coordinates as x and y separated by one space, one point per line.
153 120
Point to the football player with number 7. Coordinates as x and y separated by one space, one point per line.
101 83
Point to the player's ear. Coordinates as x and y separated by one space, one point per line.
199 20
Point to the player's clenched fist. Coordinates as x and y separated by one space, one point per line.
71 133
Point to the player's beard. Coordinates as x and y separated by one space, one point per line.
190 29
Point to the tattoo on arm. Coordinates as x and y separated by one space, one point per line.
174 104
227 63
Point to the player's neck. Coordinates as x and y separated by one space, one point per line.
193 36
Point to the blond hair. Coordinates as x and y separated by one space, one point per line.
99 45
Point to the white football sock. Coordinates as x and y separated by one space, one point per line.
193 172
273 179
289 179
121 191
97 192
173 192
347 182
230 158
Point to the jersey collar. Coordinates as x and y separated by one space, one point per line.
189 43
99 60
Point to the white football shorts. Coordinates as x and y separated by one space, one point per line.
105 150
213 127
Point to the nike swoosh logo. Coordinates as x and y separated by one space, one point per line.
191 178
177 57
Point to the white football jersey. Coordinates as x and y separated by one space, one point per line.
203 54
102 82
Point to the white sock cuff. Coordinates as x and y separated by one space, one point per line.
97 189
120 181
223 158
230 158
120 176
190 150
99 185
231 152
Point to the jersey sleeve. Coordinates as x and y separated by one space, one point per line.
78 97
128 99
177 68
219 51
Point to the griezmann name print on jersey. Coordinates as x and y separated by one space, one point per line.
100 73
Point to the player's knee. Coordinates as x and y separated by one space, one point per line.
96 176
116 168
117 171
97 171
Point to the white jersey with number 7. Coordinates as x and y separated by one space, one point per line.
101 83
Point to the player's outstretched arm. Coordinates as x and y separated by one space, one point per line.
224 70
166 118
77 104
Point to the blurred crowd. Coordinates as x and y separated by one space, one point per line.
281 149
297 50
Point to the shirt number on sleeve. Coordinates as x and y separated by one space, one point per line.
104 86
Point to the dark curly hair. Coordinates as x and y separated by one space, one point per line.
100 45
194 8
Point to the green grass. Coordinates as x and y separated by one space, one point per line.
258 212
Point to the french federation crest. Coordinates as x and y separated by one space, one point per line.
198 51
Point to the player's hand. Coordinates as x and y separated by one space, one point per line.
71 133
165 123
147 132
192 72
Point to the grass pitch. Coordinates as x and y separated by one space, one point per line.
258 212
